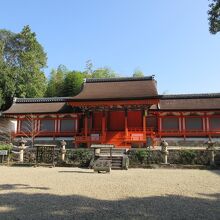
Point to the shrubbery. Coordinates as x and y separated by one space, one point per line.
4 146
142 157
79 157
190 157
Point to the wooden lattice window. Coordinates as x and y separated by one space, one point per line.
170 124
194 123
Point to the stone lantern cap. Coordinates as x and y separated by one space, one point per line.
210 143
63 143
164 143
22 141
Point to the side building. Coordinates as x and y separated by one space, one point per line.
126 112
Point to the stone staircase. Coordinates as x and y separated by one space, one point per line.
117 157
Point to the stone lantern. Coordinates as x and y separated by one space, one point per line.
211 149
164 150
63 149
21 149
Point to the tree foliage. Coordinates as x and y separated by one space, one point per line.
138 73
214 16
103 73
73 83
89 67
22 60
63 82
56 82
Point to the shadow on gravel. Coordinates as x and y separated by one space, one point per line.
217 172
20 186
21 206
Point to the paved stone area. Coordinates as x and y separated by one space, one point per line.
72 193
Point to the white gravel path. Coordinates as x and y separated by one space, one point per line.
72 193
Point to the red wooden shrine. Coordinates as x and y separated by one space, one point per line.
121 111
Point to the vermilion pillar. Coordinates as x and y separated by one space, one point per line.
207 123
204 125
144 120
103 124
86 125
159 124
126 122
18 124
57 124
180 123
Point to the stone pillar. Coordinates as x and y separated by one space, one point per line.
164 150
63 150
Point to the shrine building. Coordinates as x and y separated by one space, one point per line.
126 112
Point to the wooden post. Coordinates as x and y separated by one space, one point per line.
207 123
86 125
126 122
180 123
57 124
144 120
184 126
159 125
103 125
204 127
18 124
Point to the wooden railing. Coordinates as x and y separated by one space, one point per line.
85 139
186 133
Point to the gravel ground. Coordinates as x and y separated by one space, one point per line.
72 193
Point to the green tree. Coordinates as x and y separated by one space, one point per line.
214 16
103 73
22 60
6 72
138 73
89 67
1 98
56 82
73 83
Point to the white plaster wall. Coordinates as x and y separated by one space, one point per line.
8 125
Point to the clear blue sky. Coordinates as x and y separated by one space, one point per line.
167 38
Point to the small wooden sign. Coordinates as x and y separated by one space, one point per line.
3 152
137 137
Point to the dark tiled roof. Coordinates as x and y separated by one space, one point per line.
209 101
118 88
53 107
191 96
